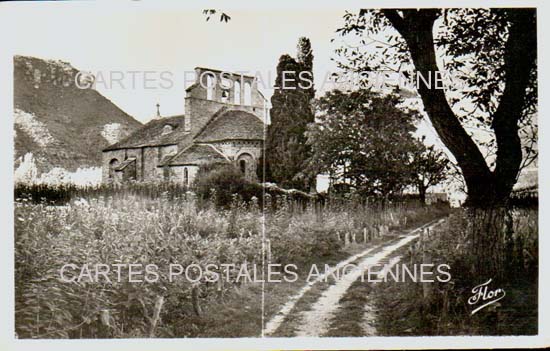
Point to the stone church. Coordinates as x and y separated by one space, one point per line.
223 122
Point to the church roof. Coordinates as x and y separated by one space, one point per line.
223 125
196 154
232 125
151 134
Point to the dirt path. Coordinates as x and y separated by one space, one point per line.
278 319
316 322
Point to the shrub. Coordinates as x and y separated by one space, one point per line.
219 182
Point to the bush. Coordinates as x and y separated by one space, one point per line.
221 181
62 194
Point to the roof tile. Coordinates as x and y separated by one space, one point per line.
232 125
151 134
195 154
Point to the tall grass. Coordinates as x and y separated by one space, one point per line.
118 231
163 225
443 308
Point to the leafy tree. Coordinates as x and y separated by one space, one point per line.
492 52
428 168
365 139
305 58
286 148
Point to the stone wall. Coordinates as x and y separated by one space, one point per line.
237 150
198 109
120 156
167 150
147 160
176 174
108 156
233 149
151 157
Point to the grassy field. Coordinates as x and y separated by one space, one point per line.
168 229
407 309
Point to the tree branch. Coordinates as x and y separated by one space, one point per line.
395 19
519 60
416 27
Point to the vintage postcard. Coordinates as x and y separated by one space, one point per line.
244 175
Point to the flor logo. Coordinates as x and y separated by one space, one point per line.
483 297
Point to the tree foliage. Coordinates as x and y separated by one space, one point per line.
365 140
489 56
286 148
428 168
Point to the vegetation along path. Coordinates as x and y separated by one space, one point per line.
316 320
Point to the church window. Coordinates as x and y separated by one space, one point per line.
209 87
112 167
185 177
242 166
167 129
247 94
225 95
237 95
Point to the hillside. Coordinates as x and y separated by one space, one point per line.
61 125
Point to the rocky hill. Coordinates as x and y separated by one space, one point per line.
62 125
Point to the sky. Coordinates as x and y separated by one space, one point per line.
165 44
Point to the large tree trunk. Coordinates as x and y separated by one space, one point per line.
422 194
487 231
488 191
486 188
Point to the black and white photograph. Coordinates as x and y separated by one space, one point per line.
340 176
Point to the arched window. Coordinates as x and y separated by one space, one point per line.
242 166
167 129
209 87
246 163
237 95
112 167
185 177
247 94
225 95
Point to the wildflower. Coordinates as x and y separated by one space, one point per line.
81 202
